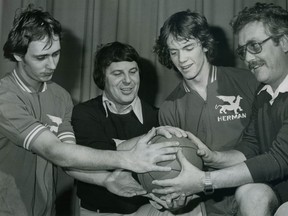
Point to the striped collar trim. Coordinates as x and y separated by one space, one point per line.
213 74
212 77
23 86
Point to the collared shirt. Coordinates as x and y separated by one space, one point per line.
213 78
25 113
25 86
135 106
54 121
282 88
230 94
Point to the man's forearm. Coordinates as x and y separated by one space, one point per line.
141 158
84 158
69 155
91 177
227 159
231 177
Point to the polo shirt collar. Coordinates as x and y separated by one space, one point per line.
25 87
135 106
282 88
212 78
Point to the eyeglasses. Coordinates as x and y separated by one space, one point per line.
252 47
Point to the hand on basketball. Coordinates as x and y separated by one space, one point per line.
143 157
156 202
176 203
189 181
209 157
171 205
168 131
122 183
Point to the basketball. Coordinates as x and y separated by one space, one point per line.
189 150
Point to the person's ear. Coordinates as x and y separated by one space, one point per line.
18 57
284 43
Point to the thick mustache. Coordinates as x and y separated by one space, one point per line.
253 64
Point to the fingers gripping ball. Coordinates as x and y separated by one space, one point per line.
189 150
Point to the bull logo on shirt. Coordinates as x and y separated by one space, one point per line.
233 104
57 121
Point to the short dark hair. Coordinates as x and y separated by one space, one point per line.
109 53
274 18
29 25
184 25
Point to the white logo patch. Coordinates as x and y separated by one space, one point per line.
55 120
232 104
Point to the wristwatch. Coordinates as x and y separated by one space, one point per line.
208 186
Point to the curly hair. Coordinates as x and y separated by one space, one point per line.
274 18
29 25
184 25
109 53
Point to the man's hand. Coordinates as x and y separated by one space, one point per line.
169 204
143 157
188 182
168 131
216 159
209 157
156 202
122 183
177 203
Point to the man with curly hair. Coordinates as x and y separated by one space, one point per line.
212 102
258 166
